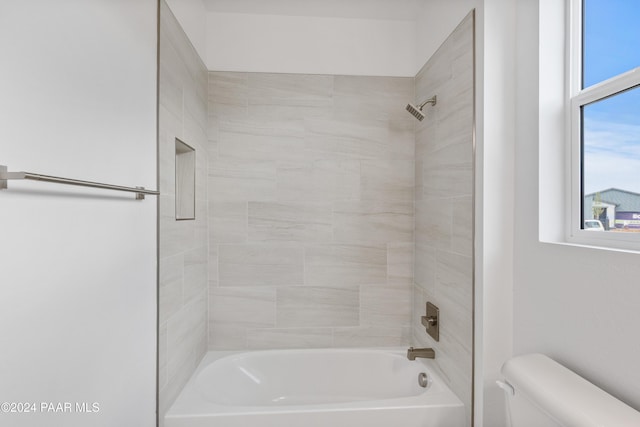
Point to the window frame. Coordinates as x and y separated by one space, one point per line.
579 97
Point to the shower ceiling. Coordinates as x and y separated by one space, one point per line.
400 10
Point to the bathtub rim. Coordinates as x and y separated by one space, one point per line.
189 402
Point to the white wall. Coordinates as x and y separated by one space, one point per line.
192 16
579 305
310 45
318 38
495 193
78 282
435 21
401 10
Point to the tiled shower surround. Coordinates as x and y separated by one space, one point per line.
311 182
314 196
183 296
444 207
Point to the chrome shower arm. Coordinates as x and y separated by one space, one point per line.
433 100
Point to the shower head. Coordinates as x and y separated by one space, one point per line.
417 111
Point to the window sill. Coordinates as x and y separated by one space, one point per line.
600 243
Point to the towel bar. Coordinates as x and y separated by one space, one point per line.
5 176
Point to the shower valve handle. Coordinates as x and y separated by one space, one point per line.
429 321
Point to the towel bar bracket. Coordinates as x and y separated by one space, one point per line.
140 196
3 180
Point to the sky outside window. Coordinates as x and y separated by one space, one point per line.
611 39
611 127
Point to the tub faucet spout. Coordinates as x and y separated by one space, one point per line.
427 353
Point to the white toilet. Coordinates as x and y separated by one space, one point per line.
542 393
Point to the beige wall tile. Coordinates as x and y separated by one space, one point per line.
258 264
339 265
448 171
183 244
195 108
379 98
260 339
319 181
388 179
261 139
316 306
170 292
291 89
290 95
175 236
228 222
249 307
240 180
196 275
434 222
228 94
223 337
301 222
351 220
371 336
373 221
402 137
184 332
213 265
444 217
454 295
425 266
462 238
170 125
162 356
425 134
340 138
400 262
388 306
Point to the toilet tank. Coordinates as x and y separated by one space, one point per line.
542 393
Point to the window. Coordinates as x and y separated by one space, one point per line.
605 122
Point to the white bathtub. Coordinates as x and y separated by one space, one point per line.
315 388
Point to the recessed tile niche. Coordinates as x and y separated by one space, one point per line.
185 181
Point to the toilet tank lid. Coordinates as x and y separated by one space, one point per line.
565 396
